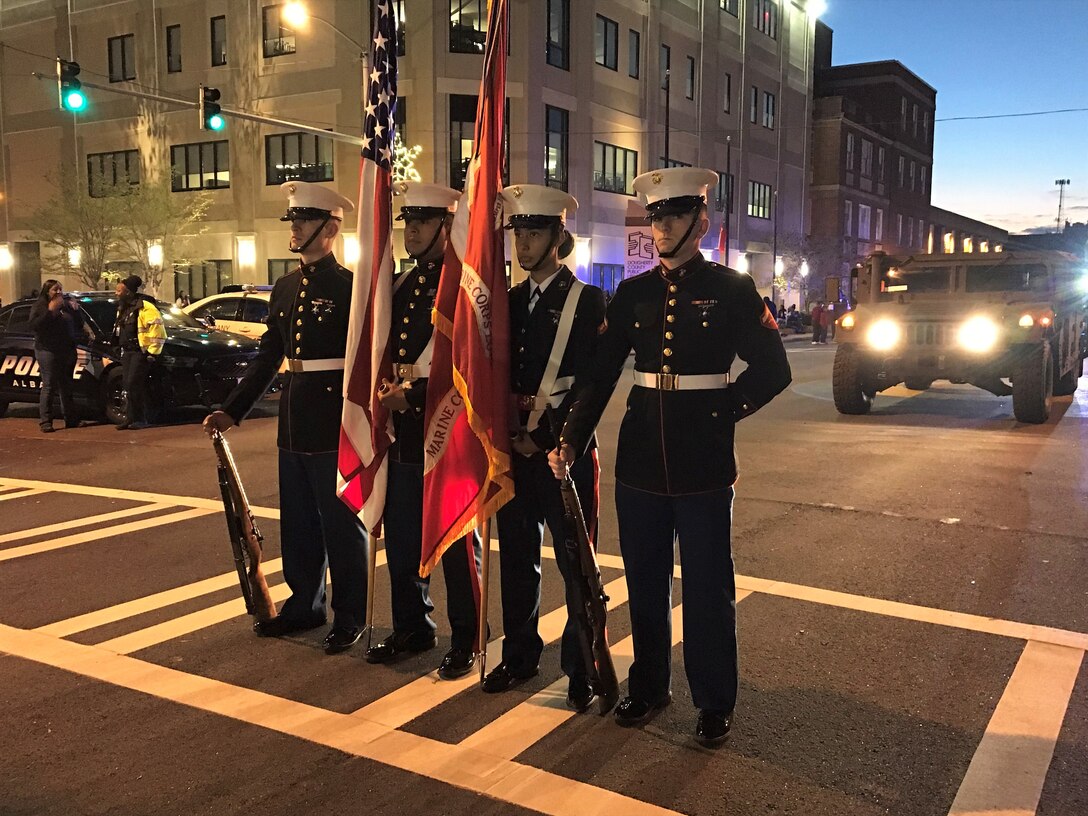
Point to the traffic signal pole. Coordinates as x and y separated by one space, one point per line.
236 114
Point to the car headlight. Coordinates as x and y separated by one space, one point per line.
847 321
978 334
884 334
1026 321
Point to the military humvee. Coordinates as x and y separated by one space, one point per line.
987 319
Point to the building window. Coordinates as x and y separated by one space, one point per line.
278 267
555 159
219 40
925 126
910 232
880 165
723 193
902 166
303 156
923 181
663 162
400 119
727 92
462 133
173 49
921 230
866 158
765 17
759 200
200 166
558 49
914 120
614 168
768 110
878 225
864 216
108 171
278 39
689 83
468 26
634 50
401 48
903 113
607 42
665 60
753 108
728 6
899 229
606 276
849 151
912 165
122 57
200 280
848 218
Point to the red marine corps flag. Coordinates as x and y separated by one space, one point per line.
366 426
466 447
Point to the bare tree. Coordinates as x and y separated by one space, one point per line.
75 220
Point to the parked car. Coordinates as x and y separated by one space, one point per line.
239 308
198 366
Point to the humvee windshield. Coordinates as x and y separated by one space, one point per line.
915 280
1011 278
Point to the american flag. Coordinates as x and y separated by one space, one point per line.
366 428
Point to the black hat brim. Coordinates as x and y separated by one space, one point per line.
680 205
305 214
529 221
421 213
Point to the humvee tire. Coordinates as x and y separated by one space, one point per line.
1033 385
1067 383
918 385
852 396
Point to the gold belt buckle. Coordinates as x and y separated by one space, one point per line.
668 382
405 371
294 366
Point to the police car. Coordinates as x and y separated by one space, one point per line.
238 308
198 366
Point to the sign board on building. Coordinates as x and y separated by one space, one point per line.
639 252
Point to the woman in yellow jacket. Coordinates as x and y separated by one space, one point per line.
140 335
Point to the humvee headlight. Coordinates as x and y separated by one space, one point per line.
1026 321
847 321
883 335
978 334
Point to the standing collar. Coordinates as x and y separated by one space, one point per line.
320 265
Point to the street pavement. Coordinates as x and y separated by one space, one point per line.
912 612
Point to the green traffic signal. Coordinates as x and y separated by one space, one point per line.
211 116
216 122
75 101
69 88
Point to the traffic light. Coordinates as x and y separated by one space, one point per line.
69 88
211 116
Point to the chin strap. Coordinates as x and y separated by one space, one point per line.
434 240
672 252
310 240
556 240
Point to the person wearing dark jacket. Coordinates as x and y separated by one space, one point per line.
58 325
427 212
555 321
687 319
140 336
307 333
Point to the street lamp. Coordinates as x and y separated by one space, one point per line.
296 15
804 269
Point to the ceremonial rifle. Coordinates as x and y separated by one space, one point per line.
584 583
245 538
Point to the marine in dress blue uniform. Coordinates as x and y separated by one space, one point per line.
555 321
306 337
687 319
427 210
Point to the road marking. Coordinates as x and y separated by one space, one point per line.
416 698
22 494
920 614
135 495
103 532
529 722
503 780
1007 772
86 521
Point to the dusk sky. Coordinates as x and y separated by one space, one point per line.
985 58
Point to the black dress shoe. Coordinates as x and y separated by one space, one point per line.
713 727
280 626
399 644
580 694
633 711
341 638
456 663
504 676
47 427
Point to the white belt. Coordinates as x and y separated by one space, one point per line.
680 382
308 366
411 371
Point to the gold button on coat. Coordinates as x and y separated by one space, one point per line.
668 335
671 318
402 352
672 301
404 335
305 282
667 352
298 335
672 287
298 350
705 324
666 369
297 322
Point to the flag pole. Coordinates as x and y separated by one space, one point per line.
372 568
485 570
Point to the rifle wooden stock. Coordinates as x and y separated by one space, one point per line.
584 581
245 538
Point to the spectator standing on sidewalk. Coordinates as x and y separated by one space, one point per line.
57 324
817 321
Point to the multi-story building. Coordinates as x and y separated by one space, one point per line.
597 93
